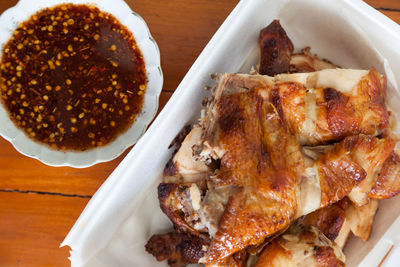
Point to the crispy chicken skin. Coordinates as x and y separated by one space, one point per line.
302 245
267 183
387 181
179 249
338 172
329 220
371 155
318 107
346 169
238 259
336 221
342 171
367 152
276 50
276 54
332 222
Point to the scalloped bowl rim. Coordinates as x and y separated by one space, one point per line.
9 21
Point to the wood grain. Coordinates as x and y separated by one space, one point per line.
384 4
182 29
393 15
33 225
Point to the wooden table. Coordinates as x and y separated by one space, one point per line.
39 204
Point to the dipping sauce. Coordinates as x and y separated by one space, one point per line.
72 77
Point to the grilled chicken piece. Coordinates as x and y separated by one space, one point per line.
265 199
183 167
369 153
329 220
388 179
275 50
241 121
179 249
301 246
341 170
360 219
181 203
371 156
318 107
339 219
247 217
213 206
332 222
236 260
305 61
357 220
276 54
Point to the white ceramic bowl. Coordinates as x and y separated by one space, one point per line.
10 20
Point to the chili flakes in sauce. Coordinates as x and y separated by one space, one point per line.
72 77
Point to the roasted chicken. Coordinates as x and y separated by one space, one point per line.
387 179
179 249
266 184
302 245
276 50
286 165
318 107
305 61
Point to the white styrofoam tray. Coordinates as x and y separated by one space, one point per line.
124 213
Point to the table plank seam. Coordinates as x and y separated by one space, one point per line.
44 193
388 9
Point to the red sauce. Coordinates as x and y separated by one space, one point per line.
72 77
